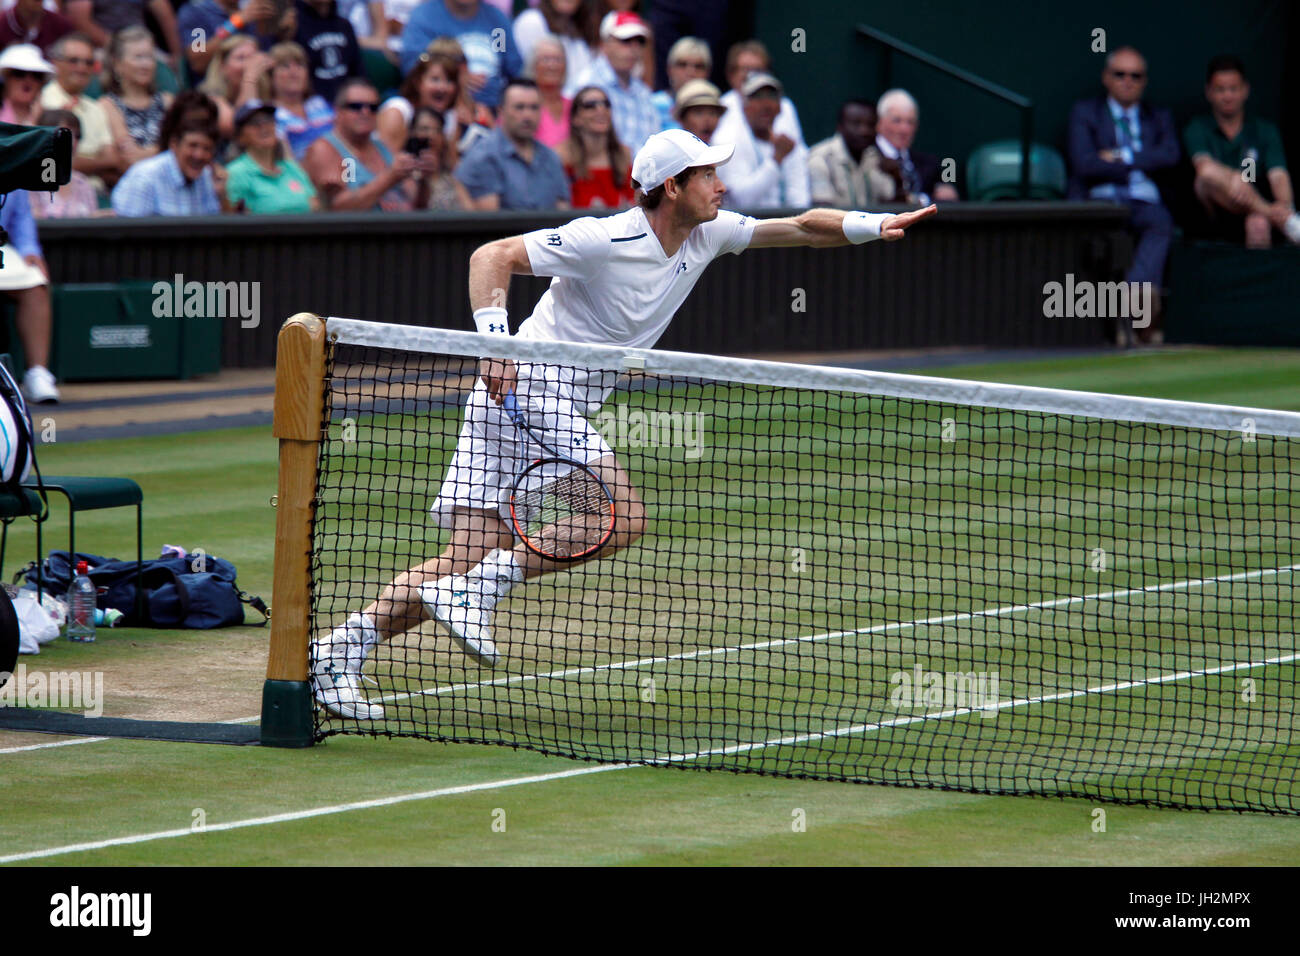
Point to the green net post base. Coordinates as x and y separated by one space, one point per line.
286 714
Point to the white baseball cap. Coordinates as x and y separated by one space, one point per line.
666 154
623 25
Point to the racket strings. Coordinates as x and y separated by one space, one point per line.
567 515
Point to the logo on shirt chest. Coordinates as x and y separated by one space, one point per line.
681 267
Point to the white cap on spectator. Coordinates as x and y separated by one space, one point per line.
623 25
666 154
761 81
25 56
697 93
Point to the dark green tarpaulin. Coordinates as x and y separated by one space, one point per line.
37 158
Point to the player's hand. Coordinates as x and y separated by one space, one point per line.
499 375
894 227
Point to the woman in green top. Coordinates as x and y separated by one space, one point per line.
264 179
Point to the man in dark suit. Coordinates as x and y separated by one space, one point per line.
1116 143
919 173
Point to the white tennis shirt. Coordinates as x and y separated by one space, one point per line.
613 284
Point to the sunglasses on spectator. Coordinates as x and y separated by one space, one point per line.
27 75
693 64
1125 75
360 107
79 61
592 104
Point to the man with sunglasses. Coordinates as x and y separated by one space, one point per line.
688 59
351 167
1116 144
74 64
623 38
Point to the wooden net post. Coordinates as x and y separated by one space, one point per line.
299 400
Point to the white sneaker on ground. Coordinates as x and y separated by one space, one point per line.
38 385
455 601
336 683
1291 228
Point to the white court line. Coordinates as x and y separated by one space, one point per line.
764 645
307 814
602 768
830 635
57 743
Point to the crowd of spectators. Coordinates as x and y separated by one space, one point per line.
271 106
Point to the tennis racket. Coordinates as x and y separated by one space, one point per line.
566 517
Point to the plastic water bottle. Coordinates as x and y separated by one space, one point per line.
81 607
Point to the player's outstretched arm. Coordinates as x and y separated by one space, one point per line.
825 228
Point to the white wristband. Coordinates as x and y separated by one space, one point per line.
862 227
491 320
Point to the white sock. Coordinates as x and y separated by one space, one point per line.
350 643
496 575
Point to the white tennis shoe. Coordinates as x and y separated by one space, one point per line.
336 682
455 601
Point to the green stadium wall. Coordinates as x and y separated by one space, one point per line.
1042 50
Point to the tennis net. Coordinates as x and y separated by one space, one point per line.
846 575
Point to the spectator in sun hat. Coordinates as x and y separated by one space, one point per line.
24 71
623 37
698 108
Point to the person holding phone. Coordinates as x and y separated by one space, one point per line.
435 186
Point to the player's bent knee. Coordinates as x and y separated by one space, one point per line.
631 524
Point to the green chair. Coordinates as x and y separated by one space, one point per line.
87 494
993 172
12 507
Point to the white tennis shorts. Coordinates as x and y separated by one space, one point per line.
492 451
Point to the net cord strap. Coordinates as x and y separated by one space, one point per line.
751 371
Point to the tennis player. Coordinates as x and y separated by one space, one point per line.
615 281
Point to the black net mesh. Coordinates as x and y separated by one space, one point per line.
842 586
